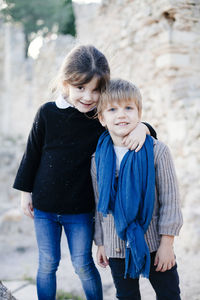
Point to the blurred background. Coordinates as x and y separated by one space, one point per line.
156 45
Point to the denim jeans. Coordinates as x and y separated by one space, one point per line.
79 233
165 284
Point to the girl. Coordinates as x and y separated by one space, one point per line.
54 174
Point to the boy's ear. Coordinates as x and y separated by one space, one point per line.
101 120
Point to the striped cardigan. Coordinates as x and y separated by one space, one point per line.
167 217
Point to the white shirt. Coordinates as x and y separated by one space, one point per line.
120 152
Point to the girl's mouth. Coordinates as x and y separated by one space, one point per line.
86 104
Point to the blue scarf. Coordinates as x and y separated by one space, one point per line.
131 199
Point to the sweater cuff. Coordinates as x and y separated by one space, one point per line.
151 129
98 241
170 231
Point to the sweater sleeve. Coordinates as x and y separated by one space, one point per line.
151 129
98 230
170 216
30 161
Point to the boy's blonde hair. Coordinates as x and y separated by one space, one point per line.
118 91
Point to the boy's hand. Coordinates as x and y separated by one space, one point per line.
165 259
102 259
26 204
136 138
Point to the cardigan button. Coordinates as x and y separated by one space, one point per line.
118 250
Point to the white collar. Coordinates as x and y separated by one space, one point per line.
62 103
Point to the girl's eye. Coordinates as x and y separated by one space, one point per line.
112 109
80 88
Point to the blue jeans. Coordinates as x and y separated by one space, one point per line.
165 284
79 233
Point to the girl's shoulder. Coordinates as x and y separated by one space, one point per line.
48 105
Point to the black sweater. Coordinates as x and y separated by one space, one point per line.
56 164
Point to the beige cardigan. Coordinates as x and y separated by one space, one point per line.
167 217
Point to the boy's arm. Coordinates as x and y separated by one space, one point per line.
98 231
170 216
102 259
165 258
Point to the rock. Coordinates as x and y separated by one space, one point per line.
5 294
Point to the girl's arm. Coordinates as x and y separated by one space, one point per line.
26 204
30 161
136 139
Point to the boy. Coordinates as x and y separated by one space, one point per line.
137 201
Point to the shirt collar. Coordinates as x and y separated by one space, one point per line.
62 103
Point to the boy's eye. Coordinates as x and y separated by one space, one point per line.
129 107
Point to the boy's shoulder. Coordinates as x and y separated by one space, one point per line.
159 149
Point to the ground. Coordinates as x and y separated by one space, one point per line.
18 252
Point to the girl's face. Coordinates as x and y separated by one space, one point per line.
83 97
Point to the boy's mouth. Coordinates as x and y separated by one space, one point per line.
122 123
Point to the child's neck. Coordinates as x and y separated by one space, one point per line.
117 141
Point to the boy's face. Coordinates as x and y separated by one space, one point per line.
120 119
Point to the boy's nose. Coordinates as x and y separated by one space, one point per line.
121 113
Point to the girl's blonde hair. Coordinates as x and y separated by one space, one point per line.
81 65
118 91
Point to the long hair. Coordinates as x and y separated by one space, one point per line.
82 64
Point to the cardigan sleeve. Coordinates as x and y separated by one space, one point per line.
31 159
170 216
98 230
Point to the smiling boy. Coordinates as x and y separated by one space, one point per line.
138 210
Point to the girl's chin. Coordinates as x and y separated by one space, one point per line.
84 108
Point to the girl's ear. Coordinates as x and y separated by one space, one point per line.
65 87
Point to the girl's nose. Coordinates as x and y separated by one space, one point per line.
87 96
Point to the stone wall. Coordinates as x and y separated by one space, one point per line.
155 44
25 81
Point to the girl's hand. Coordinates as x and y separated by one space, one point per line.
165 259
136 138
102 259
26 204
